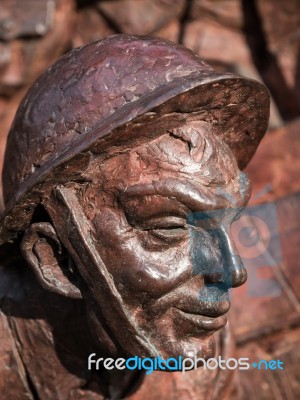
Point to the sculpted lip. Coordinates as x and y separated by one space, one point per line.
203 322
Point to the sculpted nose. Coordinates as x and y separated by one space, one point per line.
232 263
215 257
227 269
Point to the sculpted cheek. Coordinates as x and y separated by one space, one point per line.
133 268
155 278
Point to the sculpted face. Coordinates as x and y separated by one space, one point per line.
172 266
125 197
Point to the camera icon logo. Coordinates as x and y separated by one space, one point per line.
257 239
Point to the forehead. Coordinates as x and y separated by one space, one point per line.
190 155
190 151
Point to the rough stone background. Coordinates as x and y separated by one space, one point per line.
255 38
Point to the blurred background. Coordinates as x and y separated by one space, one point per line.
255 38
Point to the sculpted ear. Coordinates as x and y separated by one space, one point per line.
43 251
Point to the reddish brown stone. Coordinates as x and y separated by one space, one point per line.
141 16
5 56
90 26
27 56
217 43
225 12
40 54
17 19
279 151
281 25
274 172
170 31
281 20
14 70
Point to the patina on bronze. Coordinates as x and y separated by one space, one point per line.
117 143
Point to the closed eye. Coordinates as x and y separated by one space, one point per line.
162 223
170 233
163 232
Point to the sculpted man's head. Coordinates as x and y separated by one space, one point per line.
127 176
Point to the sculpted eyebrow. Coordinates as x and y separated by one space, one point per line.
187 197
185 194
153 206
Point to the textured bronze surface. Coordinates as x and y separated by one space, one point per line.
115 150
100 88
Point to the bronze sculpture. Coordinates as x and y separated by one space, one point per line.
113 148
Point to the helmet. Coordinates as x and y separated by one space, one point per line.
97 96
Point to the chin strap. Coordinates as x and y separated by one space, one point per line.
75 231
